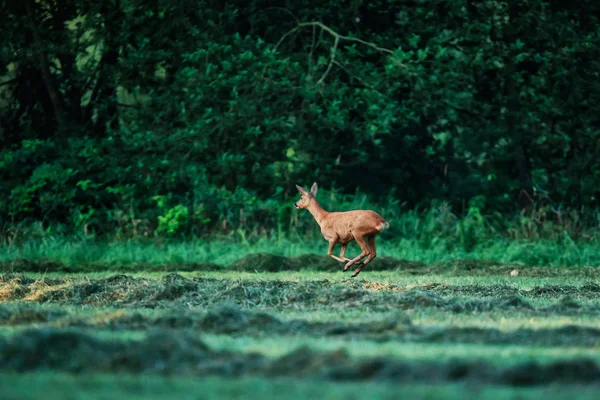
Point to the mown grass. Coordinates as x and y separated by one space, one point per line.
443 351
272 312
499 355
307 294
57 386
527 279
314 330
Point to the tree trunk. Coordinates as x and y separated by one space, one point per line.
525 181
105 93
62 13
54 94
513 114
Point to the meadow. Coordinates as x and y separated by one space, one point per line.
150 152
266 324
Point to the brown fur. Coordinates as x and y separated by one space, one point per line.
344 227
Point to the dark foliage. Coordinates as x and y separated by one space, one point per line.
190 117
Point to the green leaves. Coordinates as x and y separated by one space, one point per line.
217 113
173 220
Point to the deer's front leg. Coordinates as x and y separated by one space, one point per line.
343 252
332 244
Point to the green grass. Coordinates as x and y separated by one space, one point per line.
122 311
501 355
224 252
278 346
521 282
52 386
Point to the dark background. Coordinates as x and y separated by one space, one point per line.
196 117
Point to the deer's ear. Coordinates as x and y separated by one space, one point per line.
314 189
301 189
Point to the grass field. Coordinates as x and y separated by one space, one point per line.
465 328
81 253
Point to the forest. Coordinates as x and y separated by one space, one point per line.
185 118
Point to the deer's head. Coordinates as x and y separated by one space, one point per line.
306 197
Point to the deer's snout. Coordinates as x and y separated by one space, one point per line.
296 205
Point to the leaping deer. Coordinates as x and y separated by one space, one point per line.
344 227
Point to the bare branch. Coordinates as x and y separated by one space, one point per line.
288 33
365 84
312 49
342 37
337 38
331 61
333 33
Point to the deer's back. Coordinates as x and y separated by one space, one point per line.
345 224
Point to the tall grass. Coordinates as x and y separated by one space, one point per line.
74 251
543 236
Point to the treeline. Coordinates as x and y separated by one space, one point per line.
190 117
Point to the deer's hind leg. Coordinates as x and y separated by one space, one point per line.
365 252
372 255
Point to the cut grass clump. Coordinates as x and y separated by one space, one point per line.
231 320
11 314
163 352
175 291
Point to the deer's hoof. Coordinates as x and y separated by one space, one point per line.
347 267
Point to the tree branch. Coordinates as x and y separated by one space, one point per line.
337 39
331 61
351 75
342 37
312 48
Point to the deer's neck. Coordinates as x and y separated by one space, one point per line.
318 213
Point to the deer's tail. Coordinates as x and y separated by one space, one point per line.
383 226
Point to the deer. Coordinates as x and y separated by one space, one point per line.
344 227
